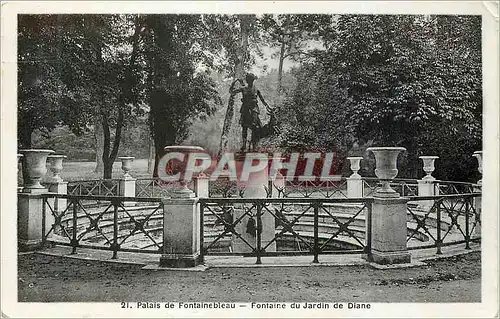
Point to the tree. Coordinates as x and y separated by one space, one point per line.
105 69
408 75
45 98
294 35
412 81
77 70
175 90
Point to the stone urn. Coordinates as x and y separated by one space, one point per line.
56 167
479 156
126 165
174 166
428 166
386 168
36 167
354 164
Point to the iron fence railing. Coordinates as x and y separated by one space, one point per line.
405 187
306 224
225 188
312 223
333 188
116 225
444 220
450 187
97 187
156 187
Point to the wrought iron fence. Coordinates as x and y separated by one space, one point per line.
288 225
332 188
119 225
444 220
450 188
97 187
156 187
405 187
311 226
225 188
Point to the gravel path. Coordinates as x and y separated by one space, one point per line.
56 279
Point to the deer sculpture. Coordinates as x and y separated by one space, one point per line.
269 129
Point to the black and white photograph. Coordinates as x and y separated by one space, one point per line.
250 159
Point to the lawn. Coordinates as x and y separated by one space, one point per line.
73 171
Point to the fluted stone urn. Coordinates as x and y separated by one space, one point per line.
56 167
354 165
126 165
386 168
428 167
174 167
36 167
479 156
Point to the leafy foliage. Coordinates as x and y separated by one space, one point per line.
175 90
412 81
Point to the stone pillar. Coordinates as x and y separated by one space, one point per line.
354 182
255 187
30 201
427 186
127 182
202 186
181 231
389 231
56 183
389 209
202 191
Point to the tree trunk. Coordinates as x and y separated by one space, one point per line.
108 167
280 66
245 24
99 144
151 154
24 136
109 154
160 141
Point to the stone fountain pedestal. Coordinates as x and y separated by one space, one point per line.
255 187
389 212
181 220
389 231
181 231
